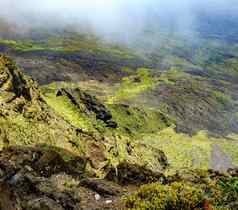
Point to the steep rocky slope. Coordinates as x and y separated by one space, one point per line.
107 118
185 90
60 169
83 154
44 177
25 117
72 120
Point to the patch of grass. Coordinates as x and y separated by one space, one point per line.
22 45
222 98
21 131
69 112
8 42
133 85
229 67
138 121
127 69
174 74
71 42
185 151
182 150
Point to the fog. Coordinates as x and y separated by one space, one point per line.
125 19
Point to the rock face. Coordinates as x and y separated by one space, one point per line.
43 177
133 174
26 182
18 92
25 118
87 103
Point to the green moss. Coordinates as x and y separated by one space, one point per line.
186 151
174 75
21 131
236 115
69 111
22 45
182 150
71 42
127 69
8 42
228 66
222 98
137 121
133 85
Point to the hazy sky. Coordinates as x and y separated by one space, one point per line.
111 16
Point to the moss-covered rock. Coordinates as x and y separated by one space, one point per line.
87 103
25 116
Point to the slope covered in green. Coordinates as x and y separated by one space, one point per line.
130 113
183 90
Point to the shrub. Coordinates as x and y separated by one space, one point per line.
176 196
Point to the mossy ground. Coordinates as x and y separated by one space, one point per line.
180 100
185 151
69 112
119 142
151 127
70 42
132 86
195 75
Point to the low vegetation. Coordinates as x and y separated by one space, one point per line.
133 118
219 193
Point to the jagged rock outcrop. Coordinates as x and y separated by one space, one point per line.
127 173
87 103
25 118
20 93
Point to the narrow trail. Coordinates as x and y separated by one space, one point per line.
219 160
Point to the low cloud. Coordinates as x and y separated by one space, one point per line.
123 18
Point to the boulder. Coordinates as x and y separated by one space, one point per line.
127 173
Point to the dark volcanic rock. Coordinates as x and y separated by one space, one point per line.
100 186
49 178
127 173
8 199
44 203
52 162
196 104
91 104
26 183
